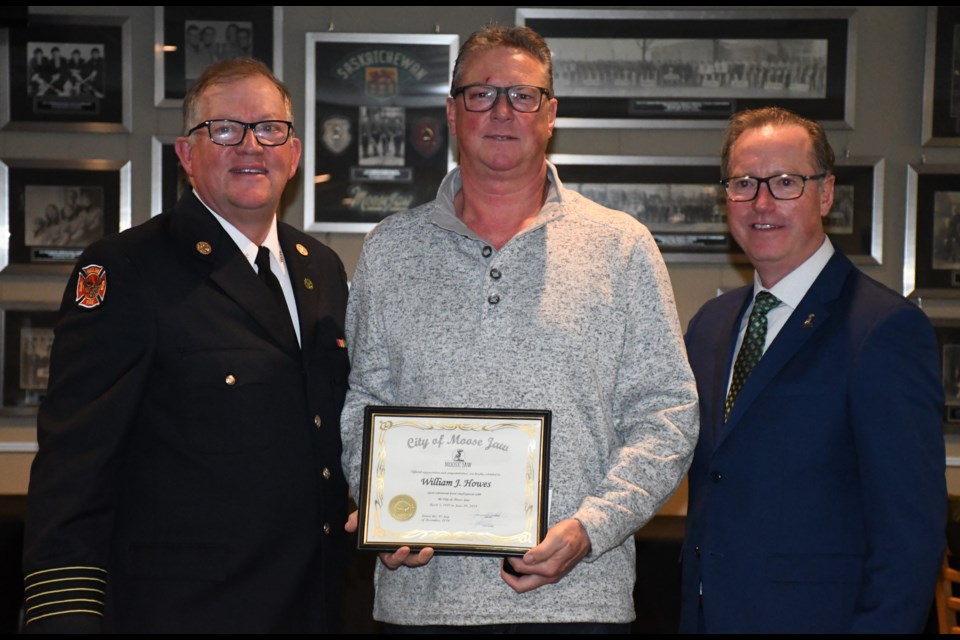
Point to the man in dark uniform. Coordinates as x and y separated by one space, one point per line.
188 477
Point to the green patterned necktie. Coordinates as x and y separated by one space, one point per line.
751 349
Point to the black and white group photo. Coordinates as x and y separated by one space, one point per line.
690 67
65 69
62 216
207 41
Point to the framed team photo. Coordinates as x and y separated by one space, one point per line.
693 69
948 338
680 200
932 238
376 139
27 335
941 78
189 38
55 208
66 73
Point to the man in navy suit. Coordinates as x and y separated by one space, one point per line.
188 478
818 502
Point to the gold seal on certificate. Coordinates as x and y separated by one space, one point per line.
402 507
464 481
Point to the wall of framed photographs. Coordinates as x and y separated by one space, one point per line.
110 135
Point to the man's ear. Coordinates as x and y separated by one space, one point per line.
184 150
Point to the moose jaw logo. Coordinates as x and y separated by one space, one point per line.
91 286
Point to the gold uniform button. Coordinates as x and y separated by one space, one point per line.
302 250
326 527
326 473
308 283
204 248
317 421
230 380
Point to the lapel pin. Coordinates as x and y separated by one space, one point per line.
302 250
808 323
308 283
342 343
204 248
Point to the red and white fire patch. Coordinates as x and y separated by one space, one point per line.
91 286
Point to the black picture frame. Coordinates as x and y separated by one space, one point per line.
54 208
931 254
693 69
376 140
948 339
66 73
174 62
941 78
27 335
682 203
168 178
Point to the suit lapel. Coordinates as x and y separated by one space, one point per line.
803 324
204 239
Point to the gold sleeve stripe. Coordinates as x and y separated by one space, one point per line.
36 573
60 613
47 593
37 584
54 602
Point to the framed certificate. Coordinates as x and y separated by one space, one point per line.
462 481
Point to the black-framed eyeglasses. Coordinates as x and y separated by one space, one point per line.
229 133
783 186
521 97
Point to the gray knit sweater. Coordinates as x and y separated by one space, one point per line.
575 315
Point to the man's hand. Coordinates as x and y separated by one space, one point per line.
565 544
403 557
400 557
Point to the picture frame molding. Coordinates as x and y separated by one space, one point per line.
844 120
125 123
913 283
449 41
122 167
49 309
161 99
874 165
938 80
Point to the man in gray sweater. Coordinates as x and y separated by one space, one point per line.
509 290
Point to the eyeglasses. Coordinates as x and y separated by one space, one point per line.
229 133
481 97
786 186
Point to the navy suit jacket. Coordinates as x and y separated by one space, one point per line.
189 462
820 506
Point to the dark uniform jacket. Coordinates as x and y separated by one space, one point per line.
188 477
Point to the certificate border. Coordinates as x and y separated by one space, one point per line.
373 411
